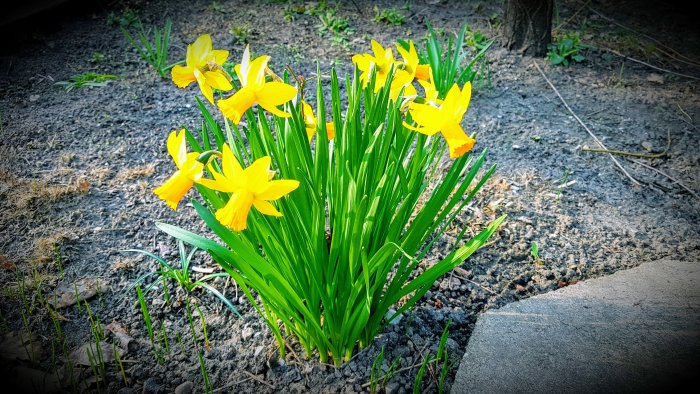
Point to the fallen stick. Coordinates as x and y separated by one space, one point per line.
667 176
634 154
649 65
634 181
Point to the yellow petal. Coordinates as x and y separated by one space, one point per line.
256 175
457 140
423 72
277 189
176 147
235 106
378 49
426 115
231 167
244 66
220 56
273 94
217 80
266 208
330 130
182 76
423 130
174 189
234 214
451 105
255 77
206 89
199 51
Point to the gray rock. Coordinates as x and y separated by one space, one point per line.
152 386
184 388
637 330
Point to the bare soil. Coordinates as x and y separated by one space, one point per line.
77 171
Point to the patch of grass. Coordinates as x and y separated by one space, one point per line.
88 79
217 7
293 10
154 50
136 172
337 27
97 57
391 16
241 33
535 253
566 51
127 18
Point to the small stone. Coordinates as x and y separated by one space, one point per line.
520 289
247 333
151 386
258 350
392 388
184 388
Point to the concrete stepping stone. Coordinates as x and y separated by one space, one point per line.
637 330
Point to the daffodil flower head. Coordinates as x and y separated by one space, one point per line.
204 65
247 188
381 63
410 63
445 119
255 89
311 122
189 170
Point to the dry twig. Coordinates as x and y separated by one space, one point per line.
635 154
634 181
667 176
650 65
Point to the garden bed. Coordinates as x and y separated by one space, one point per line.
77 170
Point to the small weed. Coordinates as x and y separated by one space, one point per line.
241 33
535 253
566 51
564 179
391 16
293 10
88 79
97 57
442 358
476 40
217 7
336 26
155 51
181 276
128 18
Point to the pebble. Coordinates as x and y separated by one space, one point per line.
151 386
520 289
247 333
184 388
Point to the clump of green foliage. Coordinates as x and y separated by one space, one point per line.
391 16
566 51
241 33
128 18
88 79
153 51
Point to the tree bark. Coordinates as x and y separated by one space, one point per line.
527 26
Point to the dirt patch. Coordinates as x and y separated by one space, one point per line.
95 154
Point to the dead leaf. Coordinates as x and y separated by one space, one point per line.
6 264
122 335
88 352
65 296
656 78
20 346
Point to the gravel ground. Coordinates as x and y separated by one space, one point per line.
77 171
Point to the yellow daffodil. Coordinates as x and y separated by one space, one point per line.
312 123
409 70
250 187
203 64
255 89
189 170
381 63
446 119
410 63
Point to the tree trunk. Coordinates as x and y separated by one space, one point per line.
527 26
